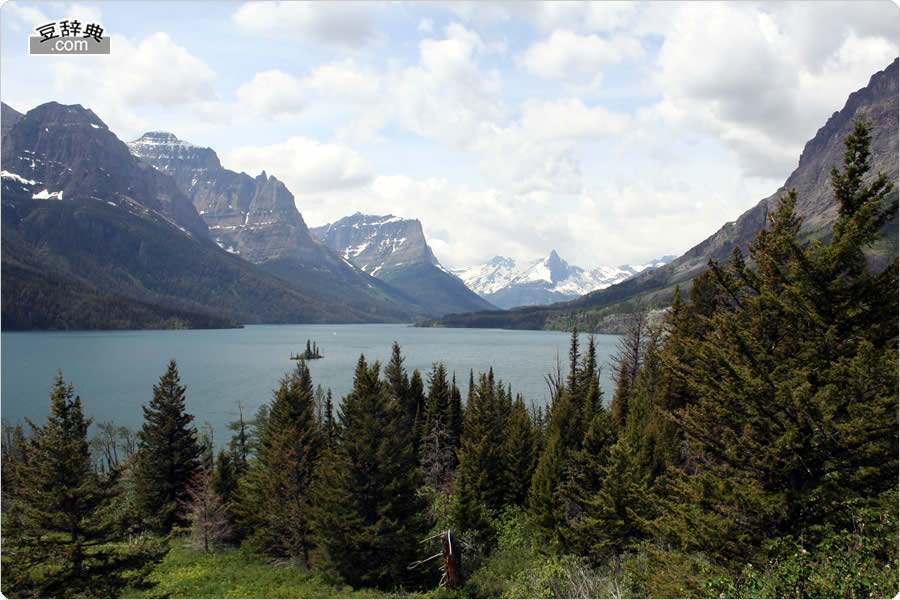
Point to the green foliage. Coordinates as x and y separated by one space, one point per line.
168 455
519 567
368 517
238 573
481 474
61 536
859 562
273 503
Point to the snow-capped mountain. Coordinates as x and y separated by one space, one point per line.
550 279
394 250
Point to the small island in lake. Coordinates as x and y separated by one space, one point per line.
311 352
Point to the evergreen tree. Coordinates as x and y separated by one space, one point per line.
455 417
793 378
239 447
520 453
274 503
224 477
14 456
437 407
330 432
397 379
572 380
417 398
627 361
481 474
368 517
60 536
168 454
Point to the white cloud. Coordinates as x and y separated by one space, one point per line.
155 71
425 25
349 24
566 53
344 80
759 79
305 165
272 93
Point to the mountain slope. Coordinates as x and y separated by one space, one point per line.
256 218
94 238
550 279
8 117
600 310
71 152
394 250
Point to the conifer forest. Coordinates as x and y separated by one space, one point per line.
749 448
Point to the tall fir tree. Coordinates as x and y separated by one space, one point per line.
794 378
168 454
520 446
481 474
437 406
61 538
417 397
368 516
274 503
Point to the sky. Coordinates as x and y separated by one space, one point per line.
612 132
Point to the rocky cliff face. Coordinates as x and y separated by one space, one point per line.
68 152
253 217
256 218
394 250
877 103
377 244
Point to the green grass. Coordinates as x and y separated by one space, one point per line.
238 573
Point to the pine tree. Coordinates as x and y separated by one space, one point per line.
274 504
397 379
368 517
224 477
330 432
417 398
60 536
627 361
240 446
437 407
793 378
520 453
168 454
455 417
481 474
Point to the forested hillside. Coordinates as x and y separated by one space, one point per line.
749 449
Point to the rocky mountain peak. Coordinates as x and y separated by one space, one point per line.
69 152
162 148
377 242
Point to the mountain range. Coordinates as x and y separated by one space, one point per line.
394 250
603 310
507 284
95 237
157 233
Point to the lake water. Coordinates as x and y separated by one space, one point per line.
114 371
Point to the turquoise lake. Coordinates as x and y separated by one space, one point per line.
114 371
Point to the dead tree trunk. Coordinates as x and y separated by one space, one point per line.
452 560
451 553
